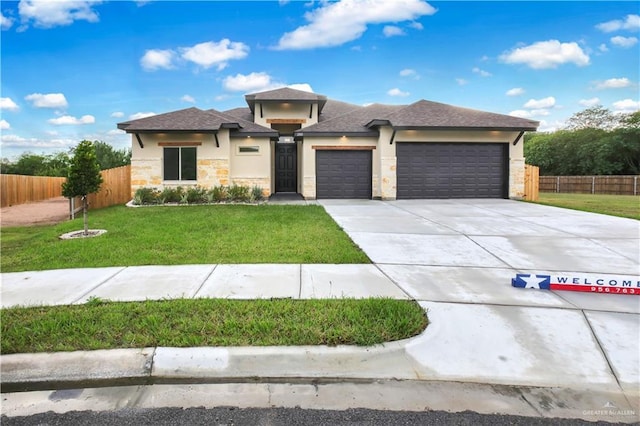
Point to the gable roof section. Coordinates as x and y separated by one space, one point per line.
434 115
353 123
333 109
285 94
195 120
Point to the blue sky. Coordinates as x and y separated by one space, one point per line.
71 70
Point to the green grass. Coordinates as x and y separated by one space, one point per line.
613 205
184 235
209 322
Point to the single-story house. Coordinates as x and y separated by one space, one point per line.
293 141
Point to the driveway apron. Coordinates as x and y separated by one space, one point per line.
457 258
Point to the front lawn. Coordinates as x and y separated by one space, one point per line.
613 205
209 322
184 235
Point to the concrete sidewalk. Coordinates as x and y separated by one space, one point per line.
489 347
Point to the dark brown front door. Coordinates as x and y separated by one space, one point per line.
286 168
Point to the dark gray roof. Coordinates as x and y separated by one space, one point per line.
334 109
427 114
243 113
352 123
285 94
195 120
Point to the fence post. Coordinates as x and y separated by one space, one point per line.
557 183
593 184
635 185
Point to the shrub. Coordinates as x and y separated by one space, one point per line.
196 195
239 193
170 195
217 194
256 193
146 196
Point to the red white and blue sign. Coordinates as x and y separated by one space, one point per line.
610 284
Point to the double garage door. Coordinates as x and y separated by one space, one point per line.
424 170
452 170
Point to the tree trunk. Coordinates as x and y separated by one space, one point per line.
85 208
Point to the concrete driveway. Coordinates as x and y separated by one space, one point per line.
457 258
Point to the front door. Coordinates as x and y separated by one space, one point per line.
286 168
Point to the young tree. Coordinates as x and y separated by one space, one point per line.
84 177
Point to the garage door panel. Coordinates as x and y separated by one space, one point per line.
451 170
343 174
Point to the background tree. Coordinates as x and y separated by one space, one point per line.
598 143
108 157
84 177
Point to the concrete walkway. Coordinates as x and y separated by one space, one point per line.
510 350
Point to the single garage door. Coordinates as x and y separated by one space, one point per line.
343 174
452 170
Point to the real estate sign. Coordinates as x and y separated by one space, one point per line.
590 283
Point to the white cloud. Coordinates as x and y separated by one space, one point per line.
305 87
49 100
211 53
8 104
5 22
117 114
67 120
336 23
139 115
116 132
603 48
461 81
624 42
392 30
24 143
188 98
547 54
547 102
613 83
631 23
520 113
254 82
482 73
4 125
550 127
154 59
416 25
589 102
516 91
539 112
408 72
397 92
626 105
49 14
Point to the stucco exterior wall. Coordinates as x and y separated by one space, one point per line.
251 169
212 162
286 111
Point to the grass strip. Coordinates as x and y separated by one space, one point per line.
209 322
612 205
184 235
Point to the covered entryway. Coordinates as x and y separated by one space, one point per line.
343 174
286 167
452 170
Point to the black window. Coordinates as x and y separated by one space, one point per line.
180 163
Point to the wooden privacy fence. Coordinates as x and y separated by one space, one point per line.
619 185
19 189
531 182
115 189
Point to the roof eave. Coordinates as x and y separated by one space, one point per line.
335 134
491 128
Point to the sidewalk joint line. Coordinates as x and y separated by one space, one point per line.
394 282
215 266
100 284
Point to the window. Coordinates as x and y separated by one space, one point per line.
180 163
248 149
